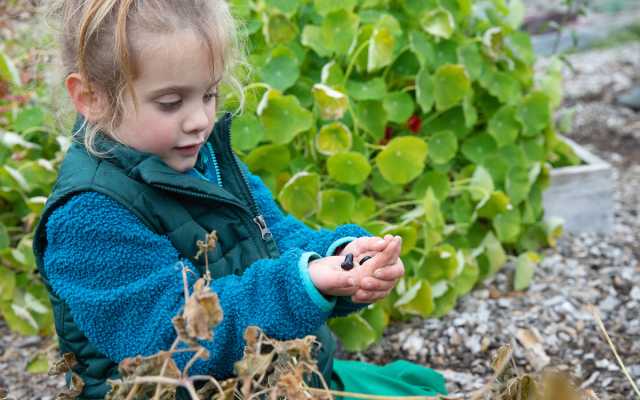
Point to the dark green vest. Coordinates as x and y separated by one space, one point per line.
182 207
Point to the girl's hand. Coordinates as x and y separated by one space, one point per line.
363 246
330 279
378 276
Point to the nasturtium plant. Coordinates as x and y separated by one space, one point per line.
419 118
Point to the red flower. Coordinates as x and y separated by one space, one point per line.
414 123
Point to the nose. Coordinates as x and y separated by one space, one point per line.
197 120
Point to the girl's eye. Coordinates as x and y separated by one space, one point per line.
210 96
169 105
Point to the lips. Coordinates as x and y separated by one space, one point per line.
189 150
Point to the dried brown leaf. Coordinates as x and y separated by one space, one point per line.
202 311
62 365
77 385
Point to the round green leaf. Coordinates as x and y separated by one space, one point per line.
399 106
441 263
270 157
338 31
382 43
421 46
246 132
416 300
525 269
354 332
332 74
501 85
279 29
439 23
403 159
312 38
28 118
481 183
497 203
451 84
331 103
504 126
281 72
333 138
437 181
494 253
350 167
324 7
507 225
517 184
282 117
371 116
443 146
451 120
285 6
373 89
534 113
470 57
336 206
445 303
476 148
409 236
424 90
299 196
464 282
365 208
7 284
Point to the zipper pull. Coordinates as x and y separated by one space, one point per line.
264 230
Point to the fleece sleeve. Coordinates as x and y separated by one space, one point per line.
289 232
123 284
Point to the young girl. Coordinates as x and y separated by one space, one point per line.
152 172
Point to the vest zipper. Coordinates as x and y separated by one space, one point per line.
258 218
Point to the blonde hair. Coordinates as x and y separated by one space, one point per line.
96 42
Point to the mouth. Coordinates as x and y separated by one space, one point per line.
189 150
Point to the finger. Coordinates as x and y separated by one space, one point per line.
391 272
369 283
347 291
367 296
369 244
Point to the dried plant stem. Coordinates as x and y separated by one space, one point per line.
372 396
156 395
210 379
193 359
133 392
596 315
260 393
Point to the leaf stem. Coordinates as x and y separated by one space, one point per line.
353 61
395 205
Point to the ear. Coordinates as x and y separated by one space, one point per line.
86 99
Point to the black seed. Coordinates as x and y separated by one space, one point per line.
365 259
347 264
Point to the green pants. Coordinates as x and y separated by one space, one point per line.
399 378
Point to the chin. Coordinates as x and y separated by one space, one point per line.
183 166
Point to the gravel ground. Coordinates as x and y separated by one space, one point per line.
602 270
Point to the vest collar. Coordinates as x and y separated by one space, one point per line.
149 168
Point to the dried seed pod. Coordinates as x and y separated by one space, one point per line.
365 259
347 264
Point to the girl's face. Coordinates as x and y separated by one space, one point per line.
176 100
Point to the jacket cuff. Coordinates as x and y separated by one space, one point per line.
336 244
325 303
